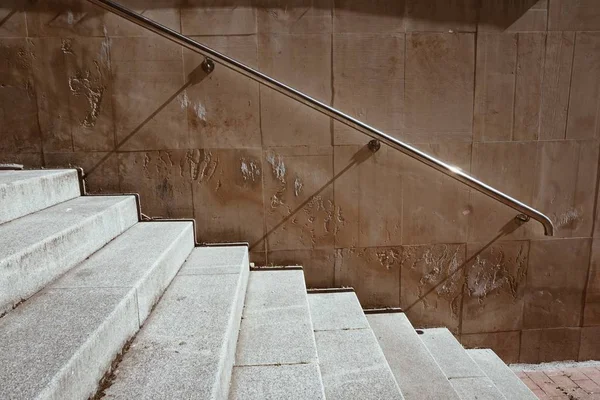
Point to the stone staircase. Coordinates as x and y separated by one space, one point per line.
96 304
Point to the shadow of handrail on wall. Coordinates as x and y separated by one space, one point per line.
196 76
359 157
507 229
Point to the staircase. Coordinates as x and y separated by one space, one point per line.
95 304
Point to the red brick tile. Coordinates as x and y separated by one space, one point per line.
540 394
575 374
529 383
589 385
563 381
554 372
545 383
592 373
521 374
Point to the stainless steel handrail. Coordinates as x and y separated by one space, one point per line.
451 171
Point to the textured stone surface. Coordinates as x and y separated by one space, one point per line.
513 16
439 86
556 85
163 179
360 62
101 168
294 382
583 107
276 326
354 16
39 247
476 389
545 345
416 372
19 129
223 109
441 15
187 346
336 311
300 16
25 192
504 379
495 287
449 354
469 381
591 312
367 192
318 265
353 365
290 59
566 175
228 195
149 268
523 79
589 348
435 207
299 209
61 342
374 273
582 15
555 282
431 286
207 17
506 345
153 68
495 86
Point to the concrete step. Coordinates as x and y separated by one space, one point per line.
417 373
25 192
465 376
59 344
186 348
505 380
39 247
276 356
352 363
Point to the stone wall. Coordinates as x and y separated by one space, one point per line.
506 90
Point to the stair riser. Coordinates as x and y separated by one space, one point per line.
24 273
79 377
31 195
199 315
234 323
149 292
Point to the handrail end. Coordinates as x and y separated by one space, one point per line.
548 226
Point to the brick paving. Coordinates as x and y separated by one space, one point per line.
579 383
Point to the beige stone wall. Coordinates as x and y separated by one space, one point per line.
506 90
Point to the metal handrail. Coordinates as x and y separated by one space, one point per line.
449 170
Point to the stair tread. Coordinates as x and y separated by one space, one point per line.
276 331
416 372
505 380
287 381
187 346
467 379
25 192
352 364
333 311
276 326
59 343
39 247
